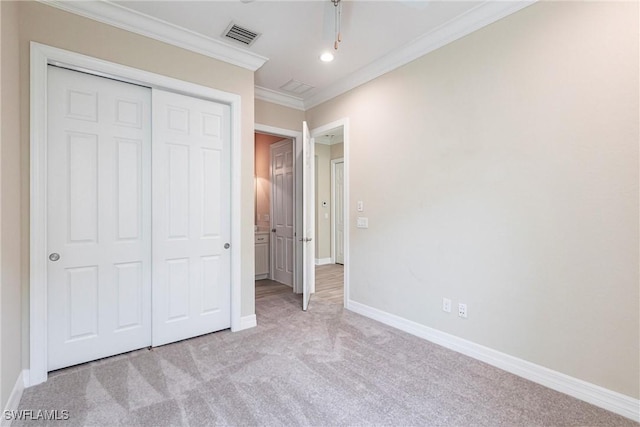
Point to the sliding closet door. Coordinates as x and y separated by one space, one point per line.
191 217
98 217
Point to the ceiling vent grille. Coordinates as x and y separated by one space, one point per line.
240 34
296 87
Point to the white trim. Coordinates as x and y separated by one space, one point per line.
41 56
14 398
344 122
297 146
157 29
247 322
588 392
136 22
275 97
323 261
334 162
482 15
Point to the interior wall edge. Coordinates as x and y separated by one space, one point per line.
14 397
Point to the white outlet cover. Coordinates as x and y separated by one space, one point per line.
462 310
362 222
446 305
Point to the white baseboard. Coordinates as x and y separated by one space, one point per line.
323 261
247 322
588 392
14 398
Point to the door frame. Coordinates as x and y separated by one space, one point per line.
334 162
296 136
41 56
318 131
272 243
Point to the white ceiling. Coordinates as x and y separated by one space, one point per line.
377 35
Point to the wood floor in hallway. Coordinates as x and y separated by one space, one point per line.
329 285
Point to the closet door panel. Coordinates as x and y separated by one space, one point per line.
98 217
191 221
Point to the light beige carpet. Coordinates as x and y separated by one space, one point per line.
324 367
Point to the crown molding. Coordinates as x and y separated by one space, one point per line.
482 15
139 23
279 98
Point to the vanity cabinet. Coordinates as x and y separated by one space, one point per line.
262 255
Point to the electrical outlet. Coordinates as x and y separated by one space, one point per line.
446 305
462 310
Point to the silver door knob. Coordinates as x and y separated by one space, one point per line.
227 246
54 256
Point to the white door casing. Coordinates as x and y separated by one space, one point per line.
337 221
99 217
323 130
297 195
282 213
308 216
191 221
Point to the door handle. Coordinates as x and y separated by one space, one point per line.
227 246
273 230
54 257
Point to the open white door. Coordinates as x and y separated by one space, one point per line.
308 217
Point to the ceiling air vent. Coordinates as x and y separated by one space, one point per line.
240 35
296 87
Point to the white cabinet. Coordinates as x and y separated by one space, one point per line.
262 255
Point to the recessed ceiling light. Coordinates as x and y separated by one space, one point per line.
326 57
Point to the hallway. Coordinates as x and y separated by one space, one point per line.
329 285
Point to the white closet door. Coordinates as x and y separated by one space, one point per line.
191 217
98 218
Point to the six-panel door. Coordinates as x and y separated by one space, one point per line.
282 196
191 217
99 217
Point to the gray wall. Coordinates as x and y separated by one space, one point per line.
10 241
511 184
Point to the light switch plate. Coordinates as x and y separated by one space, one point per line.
360 206
362 222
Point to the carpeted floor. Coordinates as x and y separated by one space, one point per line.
324 367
